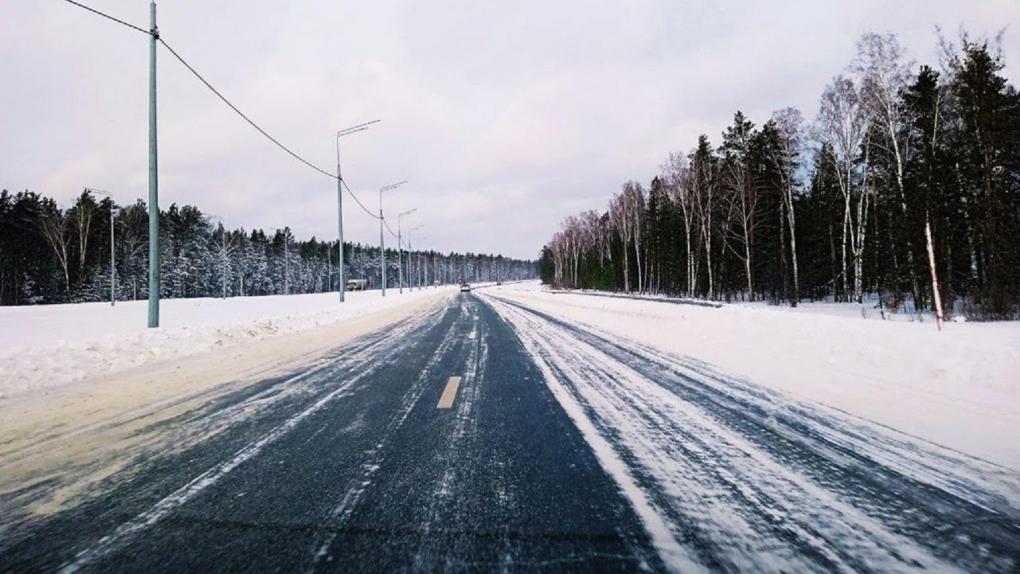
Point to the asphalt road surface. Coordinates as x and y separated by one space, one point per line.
488 436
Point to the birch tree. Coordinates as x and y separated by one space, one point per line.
843 124
788 123
883 75
679 181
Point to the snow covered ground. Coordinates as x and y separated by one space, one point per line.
959 388
731 475
42 347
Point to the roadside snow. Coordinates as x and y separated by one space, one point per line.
47 346
959 388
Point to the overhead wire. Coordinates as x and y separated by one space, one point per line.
108 17
242 114
236 110
358 201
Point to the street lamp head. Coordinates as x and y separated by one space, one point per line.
408 212
392 186
355 129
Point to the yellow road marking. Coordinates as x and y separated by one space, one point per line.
449 393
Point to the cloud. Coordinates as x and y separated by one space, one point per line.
505 117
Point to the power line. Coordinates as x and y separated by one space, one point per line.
358 201
108 17
240 113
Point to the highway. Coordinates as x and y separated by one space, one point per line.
487 436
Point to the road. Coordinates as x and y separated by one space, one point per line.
486 435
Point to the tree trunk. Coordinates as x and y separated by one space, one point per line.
936 297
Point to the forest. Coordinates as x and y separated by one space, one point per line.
54 255
903 192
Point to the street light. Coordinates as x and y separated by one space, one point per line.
113 260
340 197
382 240
400 250
409 249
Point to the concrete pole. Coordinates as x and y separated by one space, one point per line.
340 222
382 245
153 178
113 262
223 260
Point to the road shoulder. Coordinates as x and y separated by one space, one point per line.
82 433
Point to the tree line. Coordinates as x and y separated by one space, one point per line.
54 255
903 191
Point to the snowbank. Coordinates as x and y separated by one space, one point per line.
959 388
47 346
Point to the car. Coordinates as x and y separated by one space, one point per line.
465 287
357 284
498 283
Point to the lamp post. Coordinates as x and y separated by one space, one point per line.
409 249
400 250
113 254
340 200
382 239
153 177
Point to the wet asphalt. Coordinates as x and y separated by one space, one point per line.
351 467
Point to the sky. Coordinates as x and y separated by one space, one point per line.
504 117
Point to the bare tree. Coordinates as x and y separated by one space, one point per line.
883 75
789 126
742 195
621 222
634 196
81 216
843 123
679 180
53 225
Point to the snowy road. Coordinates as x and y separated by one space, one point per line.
488 435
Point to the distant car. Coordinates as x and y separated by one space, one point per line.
465 287
499 283
357 284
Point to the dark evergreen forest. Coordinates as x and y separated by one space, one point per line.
903 192
54 255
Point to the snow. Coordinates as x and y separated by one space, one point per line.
42 347
959 388
758 473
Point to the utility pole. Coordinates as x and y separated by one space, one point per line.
153 177
340 220
113 262
340 201
223 259
409 255
400 250
382 239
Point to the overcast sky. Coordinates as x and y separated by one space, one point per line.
505 118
